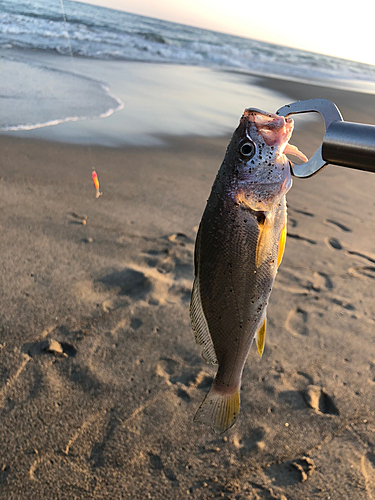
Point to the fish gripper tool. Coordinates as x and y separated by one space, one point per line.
344 143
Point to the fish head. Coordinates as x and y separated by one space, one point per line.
256 157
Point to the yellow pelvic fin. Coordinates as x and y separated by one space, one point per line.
264 241
219 410
261 337
281 245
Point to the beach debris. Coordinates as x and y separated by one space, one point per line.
239 247
80 217
96 184
305 466
54 347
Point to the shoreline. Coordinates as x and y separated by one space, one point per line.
177 98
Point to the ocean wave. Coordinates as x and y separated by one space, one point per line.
58 121
97 32
67 97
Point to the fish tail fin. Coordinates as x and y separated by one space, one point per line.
219 409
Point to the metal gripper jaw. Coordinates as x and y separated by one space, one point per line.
346 144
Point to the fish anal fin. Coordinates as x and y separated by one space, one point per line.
261 337
219 409
200 326
281 245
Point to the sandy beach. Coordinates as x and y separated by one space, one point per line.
100 375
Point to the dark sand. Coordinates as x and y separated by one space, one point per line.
110 417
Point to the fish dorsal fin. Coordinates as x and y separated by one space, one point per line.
264 240
200 326
261 337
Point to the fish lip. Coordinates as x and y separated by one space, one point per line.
264 119
275 130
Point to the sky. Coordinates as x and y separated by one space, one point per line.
342 29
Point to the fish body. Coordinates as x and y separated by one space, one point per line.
238 249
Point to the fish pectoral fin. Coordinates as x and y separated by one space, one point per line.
219 410
264 241
281 245
261 337
200 326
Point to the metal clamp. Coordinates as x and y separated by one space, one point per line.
330 114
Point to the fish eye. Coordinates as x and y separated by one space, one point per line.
247 149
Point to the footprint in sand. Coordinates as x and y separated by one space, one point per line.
136 323
342 303
164 266
293 281
363 272
296 322
180 239
156 465
321 281
337 225
302 212
203 381
301 238
130 282
161 274
253 440
170 370
317 398
182 394
291 472
333 243
369 258
169 267
50 347
289 388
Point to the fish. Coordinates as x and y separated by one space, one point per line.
239 247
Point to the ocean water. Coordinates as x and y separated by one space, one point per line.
98 32
38 92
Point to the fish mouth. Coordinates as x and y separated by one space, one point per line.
275 130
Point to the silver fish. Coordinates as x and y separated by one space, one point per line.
239 246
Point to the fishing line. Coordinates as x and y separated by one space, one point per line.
88 144
66 30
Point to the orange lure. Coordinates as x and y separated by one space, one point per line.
96 183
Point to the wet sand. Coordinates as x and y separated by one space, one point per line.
106 411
